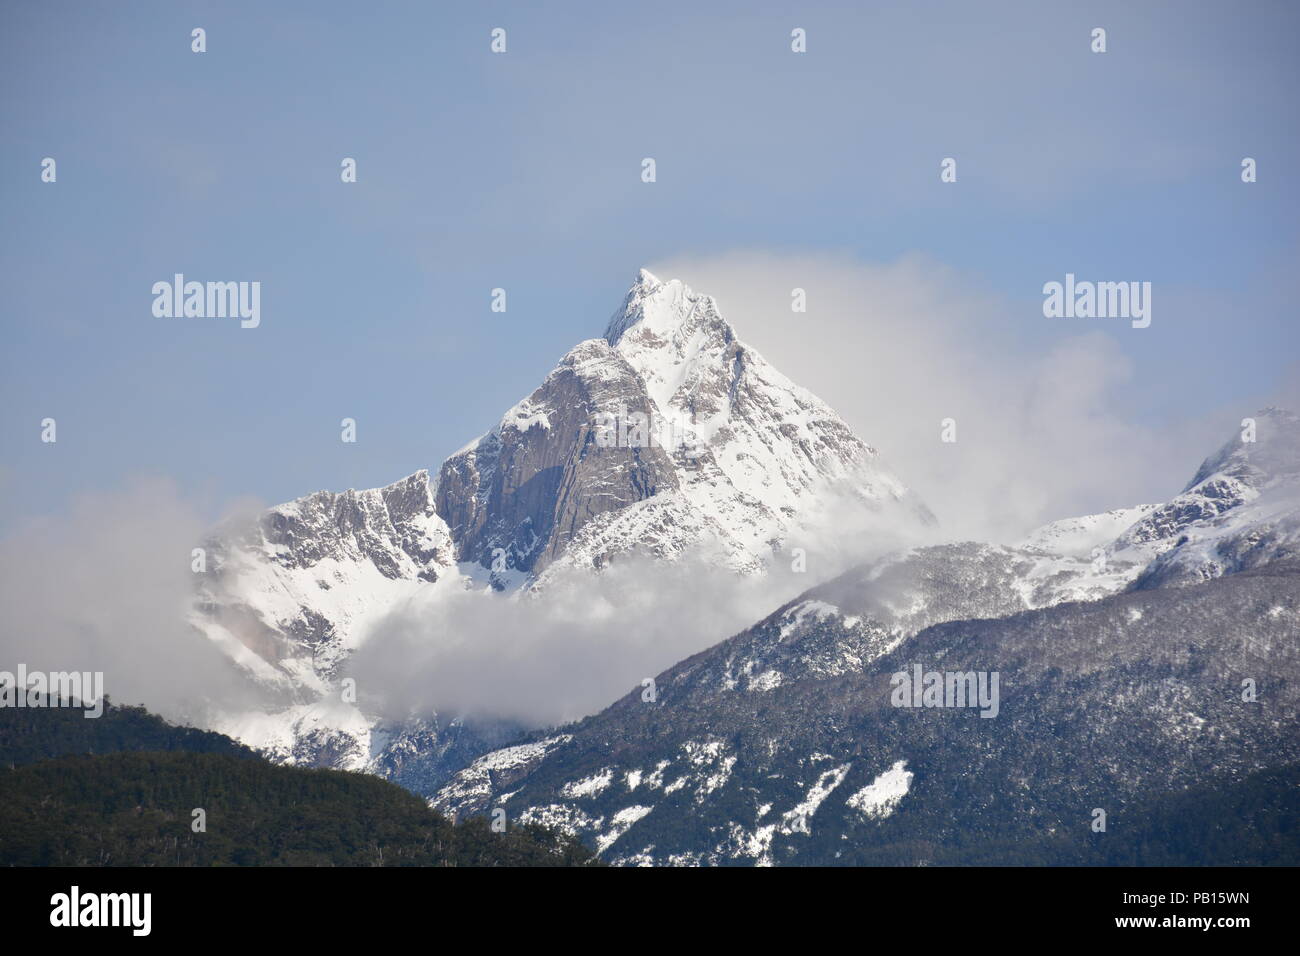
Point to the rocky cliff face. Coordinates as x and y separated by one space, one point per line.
516 497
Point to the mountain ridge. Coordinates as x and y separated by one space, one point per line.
665 781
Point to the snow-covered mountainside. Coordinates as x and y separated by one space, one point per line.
1241 510
666 436
743 742
289 595
1106 703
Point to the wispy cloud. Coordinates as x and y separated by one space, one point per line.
108 587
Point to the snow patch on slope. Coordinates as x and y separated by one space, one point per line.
882 796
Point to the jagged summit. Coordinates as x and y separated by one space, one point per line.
1274 452
656 305
748 455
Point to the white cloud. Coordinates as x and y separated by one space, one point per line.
1042 431
572 649
107 587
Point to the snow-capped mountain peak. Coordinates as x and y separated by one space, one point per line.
751 464
677 341
736 455
653 304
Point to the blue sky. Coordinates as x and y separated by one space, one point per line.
522 171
